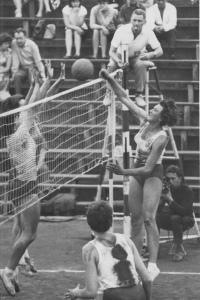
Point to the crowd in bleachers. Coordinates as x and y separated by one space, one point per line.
106 17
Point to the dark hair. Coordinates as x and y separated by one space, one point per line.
170 114
20 29
174 169
99 1
8 121
5 38
139 12
70 2
99 216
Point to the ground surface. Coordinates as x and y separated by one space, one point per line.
57 254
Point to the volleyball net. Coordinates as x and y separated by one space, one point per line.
72 133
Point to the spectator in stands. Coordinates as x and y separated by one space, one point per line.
126 11
137 35
5 64
103 24
49 6
162 18
179 216
75 27
25 55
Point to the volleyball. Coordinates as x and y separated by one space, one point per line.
82 69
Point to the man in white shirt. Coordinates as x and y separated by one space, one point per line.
162 18
25 55
137 36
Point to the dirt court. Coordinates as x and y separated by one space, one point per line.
57 254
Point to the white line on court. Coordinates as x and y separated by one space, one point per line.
79 271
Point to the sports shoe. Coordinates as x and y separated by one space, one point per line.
8 283
30 262
154 272
178 256
139 100
172 251
107 99
25 270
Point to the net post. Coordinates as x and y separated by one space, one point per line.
111 145
126 148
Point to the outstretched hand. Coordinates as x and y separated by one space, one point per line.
71 293
49 69
62 72
115 168
104 74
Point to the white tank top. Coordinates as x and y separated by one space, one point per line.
144 146
22 153
116 267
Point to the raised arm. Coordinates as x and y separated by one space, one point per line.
123 97
45 86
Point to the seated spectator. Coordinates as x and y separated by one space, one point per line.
102 21
74 18
5 64
179 216
49 6
137 36
111 261
162 18
25 55
126 11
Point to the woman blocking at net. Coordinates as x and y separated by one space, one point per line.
22 148
112 261
146 174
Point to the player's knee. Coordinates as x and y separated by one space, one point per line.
149 221
136 222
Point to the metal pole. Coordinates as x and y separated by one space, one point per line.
126 149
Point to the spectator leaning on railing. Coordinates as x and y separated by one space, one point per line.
162 18
25 55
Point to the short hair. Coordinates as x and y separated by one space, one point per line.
20 29
70 2
99 216
9 104
174 169
170 114
99 1
139 12
5 38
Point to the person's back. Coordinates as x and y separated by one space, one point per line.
116 267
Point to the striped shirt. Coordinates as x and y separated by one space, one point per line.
22 151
